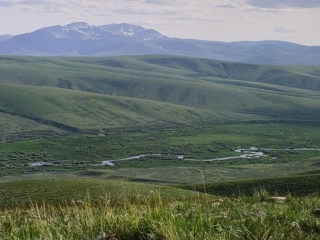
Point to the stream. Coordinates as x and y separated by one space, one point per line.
252 152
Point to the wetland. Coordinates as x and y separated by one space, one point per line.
220 152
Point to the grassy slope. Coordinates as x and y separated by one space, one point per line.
69 109
295 185
197 83
197 218
100 74
66 190
299 184
10 124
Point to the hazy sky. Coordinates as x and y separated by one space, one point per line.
217 20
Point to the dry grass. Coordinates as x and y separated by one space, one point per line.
202 217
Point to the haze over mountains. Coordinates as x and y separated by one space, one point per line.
82 39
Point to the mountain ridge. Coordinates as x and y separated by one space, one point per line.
82 39
98 32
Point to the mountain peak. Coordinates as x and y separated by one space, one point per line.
77 25
58 31
82 30
123 29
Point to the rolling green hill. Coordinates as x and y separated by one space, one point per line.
76 110
101 93
10 123
79 73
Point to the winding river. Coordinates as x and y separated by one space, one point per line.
252 152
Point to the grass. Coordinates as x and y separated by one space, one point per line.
295 185
68 71
71 110
75 110
200 217
13 124
211 173
59 191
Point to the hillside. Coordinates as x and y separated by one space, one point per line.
135 211
102 93
76 110
59 191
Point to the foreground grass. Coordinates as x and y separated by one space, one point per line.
60 191
201 217
298 185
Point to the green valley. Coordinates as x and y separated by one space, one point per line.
147 136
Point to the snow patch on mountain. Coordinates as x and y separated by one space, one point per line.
123 29
5 37
85 31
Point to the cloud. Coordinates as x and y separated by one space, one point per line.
156 24
123 7
165 8
200 18
133 10
37 5
160 2
226 6
13 3
207 19
168 2
151 23
35 2
6 4
284 29
246 18
284 3
137 9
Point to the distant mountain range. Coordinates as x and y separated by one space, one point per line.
82 39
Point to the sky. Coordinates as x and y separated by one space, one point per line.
214 20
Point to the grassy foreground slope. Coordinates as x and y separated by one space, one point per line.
59 191
152 215
296 185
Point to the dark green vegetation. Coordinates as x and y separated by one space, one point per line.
288 149
307 184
